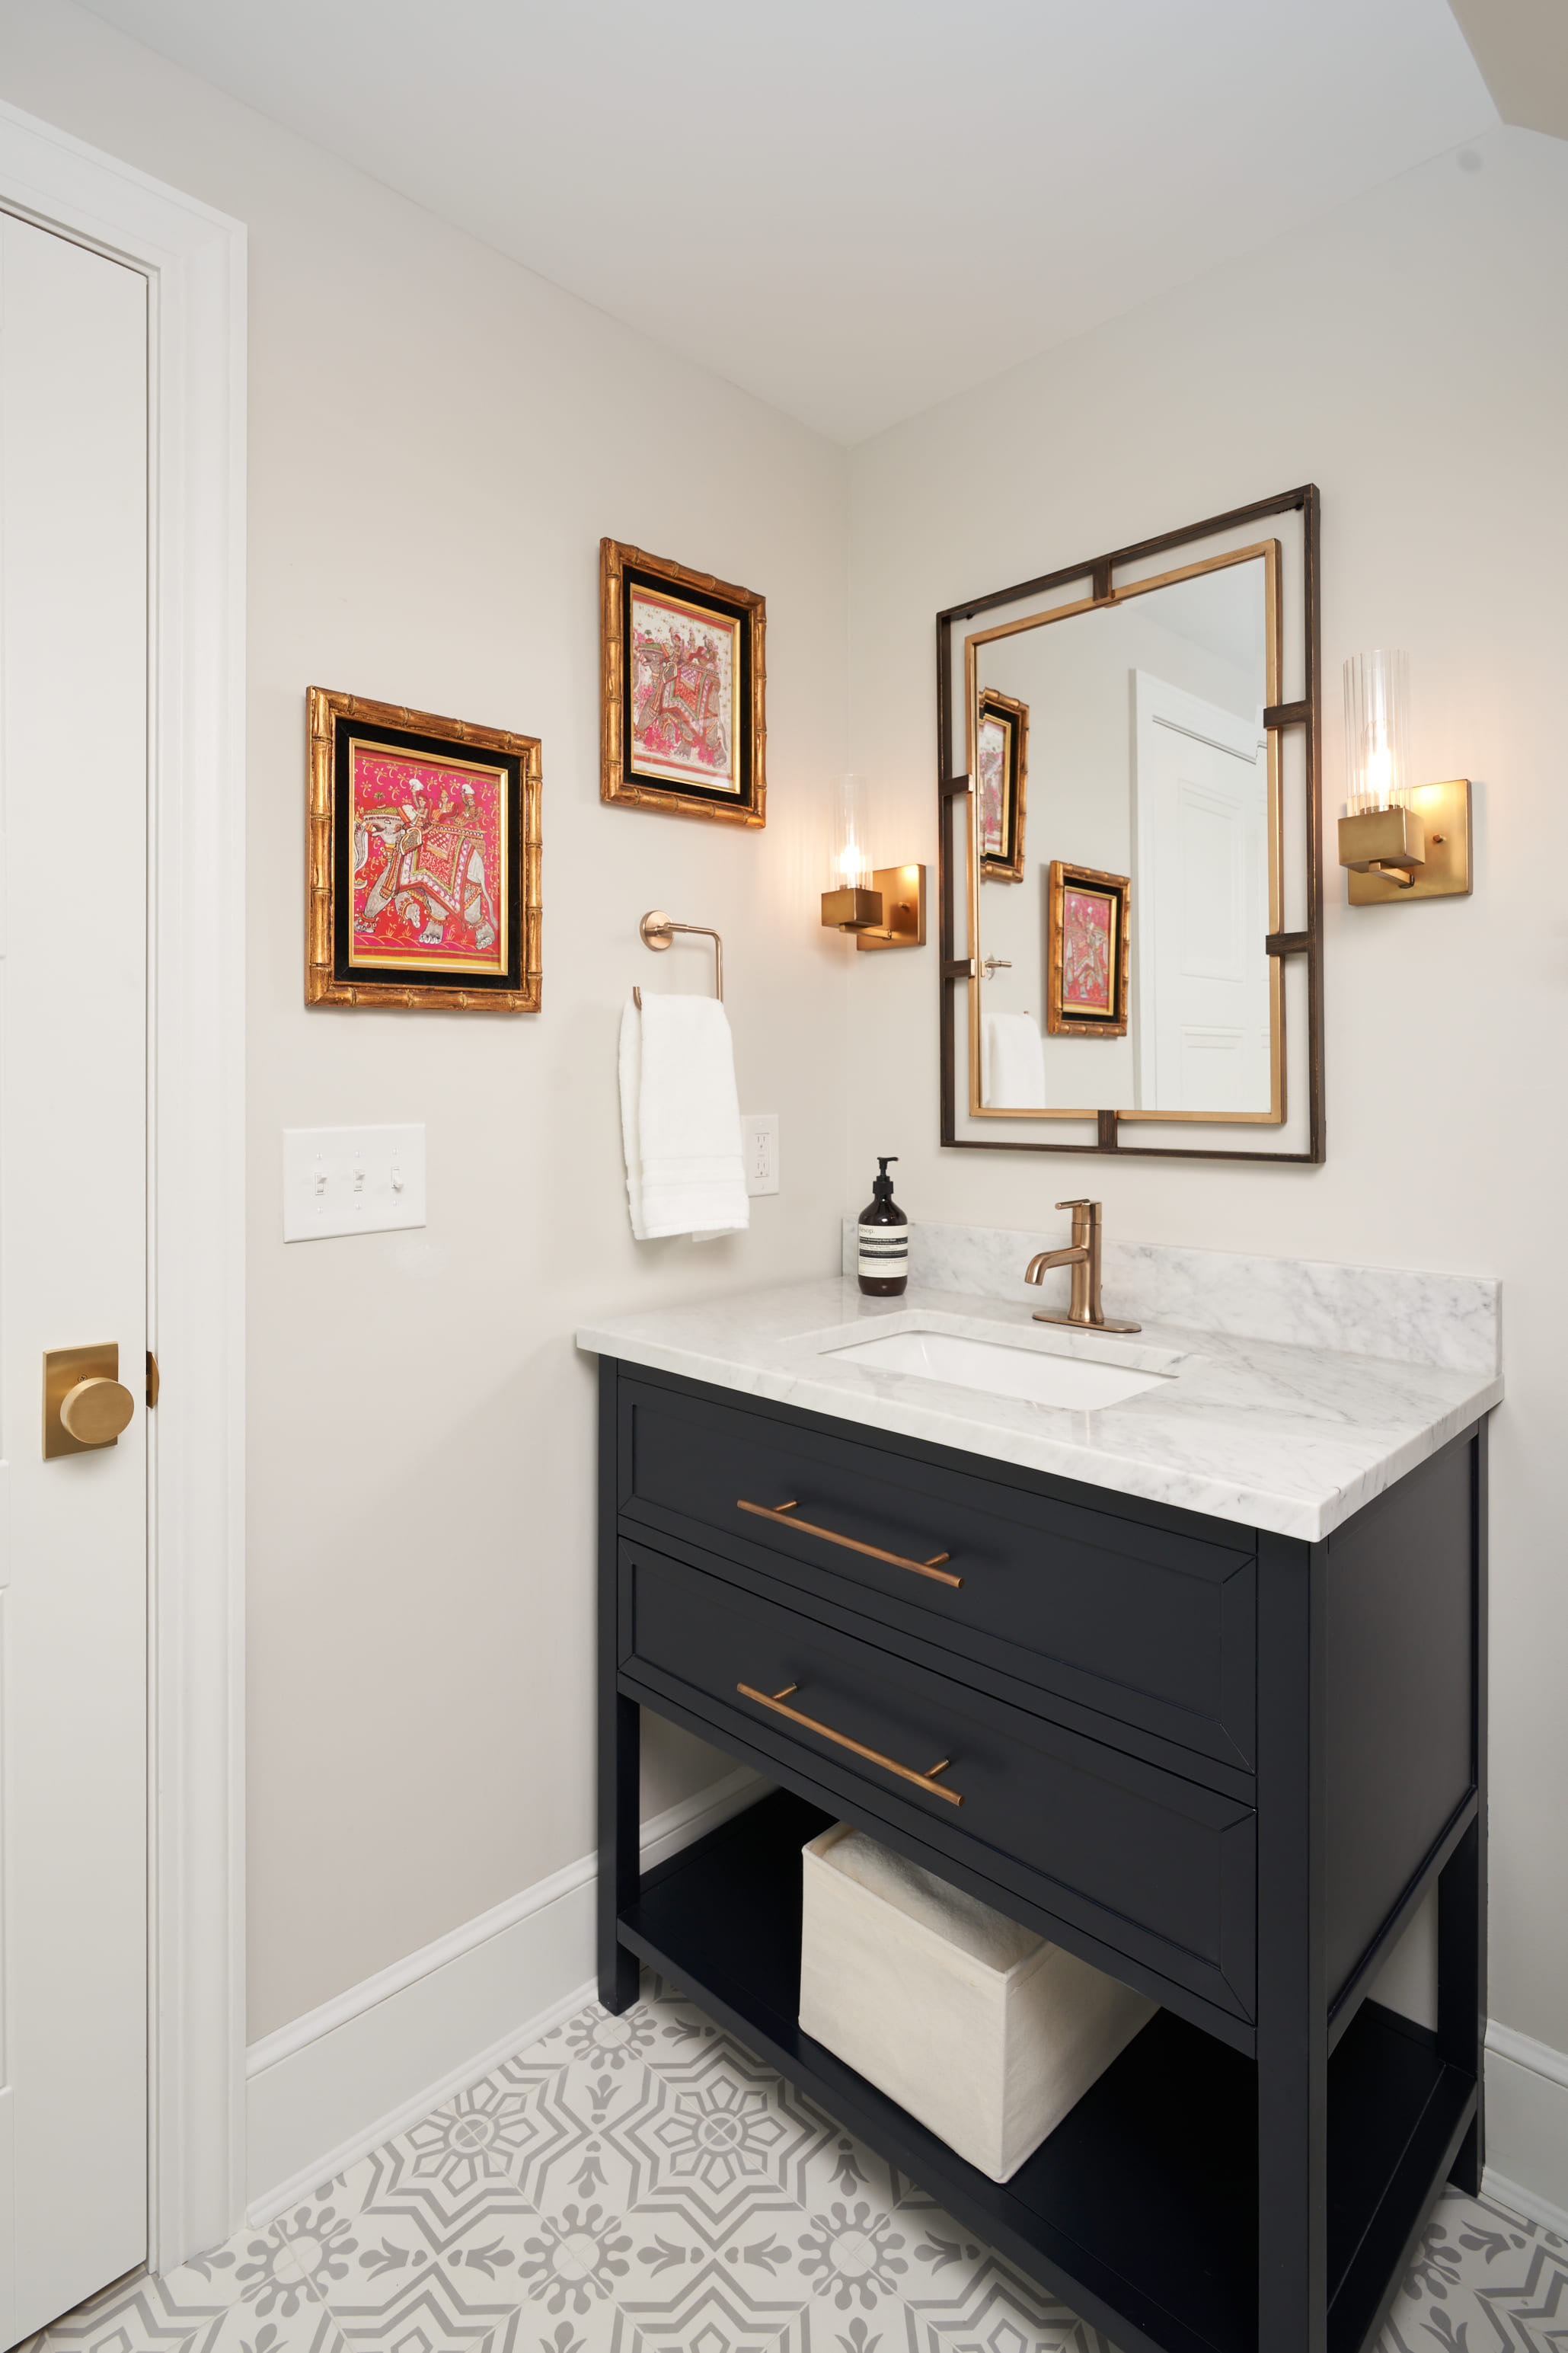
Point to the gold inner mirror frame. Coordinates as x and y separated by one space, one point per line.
1114 582
1265 552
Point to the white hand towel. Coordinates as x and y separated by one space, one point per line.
680 1119
1012 1062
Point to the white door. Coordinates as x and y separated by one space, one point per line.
73 1271
1201 904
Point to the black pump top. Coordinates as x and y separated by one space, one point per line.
882 1184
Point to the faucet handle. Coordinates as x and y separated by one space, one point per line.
1079 1205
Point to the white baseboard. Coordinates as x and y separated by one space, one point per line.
1523 2201
329 2087
1526 2127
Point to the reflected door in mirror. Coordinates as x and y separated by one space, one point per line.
1201 782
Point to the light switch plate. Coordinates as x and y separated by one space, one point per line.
351 1180
760 1150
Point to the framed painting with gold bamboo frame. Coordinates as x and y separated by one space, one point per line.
1292 1101
1002 765
1087 952
681 696
423 859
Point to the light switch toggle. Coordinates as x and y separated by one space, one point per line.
351 1180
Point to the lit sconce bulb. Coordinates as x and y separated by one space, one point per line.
1379 771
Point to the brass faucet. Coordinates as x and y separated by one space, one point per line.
1084 1309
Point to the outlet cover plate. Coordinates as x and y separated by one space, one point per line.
351 1180
760 1150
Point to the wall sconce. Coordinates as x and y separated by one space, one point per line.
884 906
1399 840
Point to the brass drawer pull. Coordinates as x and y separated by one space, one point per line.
926 1781
785 1514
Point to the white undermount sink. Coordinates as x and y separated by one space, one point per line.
1001 1369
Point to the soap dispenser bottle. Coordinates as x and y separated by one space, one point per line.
884 1237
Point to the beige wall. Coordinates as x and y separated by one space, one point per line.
426 529
437 442
1409 354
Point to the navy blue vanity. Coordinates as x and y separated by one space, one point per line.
1224 1764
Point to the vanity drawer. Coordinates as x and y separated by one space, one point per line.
1147 1626
1154 1867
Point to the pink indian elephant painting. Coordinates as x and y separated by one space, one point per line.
428 855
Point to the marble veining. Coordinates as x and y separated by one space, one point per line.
1288 1437
1449 1321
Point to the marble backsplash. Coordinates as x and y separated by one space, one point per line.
1449 1321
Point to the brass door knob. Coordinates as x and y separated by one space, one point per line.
96 1410
85 1405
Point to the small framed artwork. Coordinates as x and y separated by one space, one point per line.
681 722
423 865
1002 758
1087 953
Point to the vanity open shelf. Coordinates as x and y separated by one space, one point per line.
1141 2207
1225 1764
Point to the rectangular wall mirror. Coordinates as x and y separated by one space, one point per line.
1130 875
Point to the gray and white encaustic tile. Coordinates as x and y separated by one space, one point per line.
646 2184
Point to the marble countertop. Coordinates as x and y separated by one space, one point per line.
1267 1432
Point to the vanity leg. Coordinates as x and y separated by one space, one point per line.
1462 1886
619 1737
1292 2004
620 1724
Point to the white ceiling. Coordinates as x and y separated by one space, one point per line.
852 208
1521 47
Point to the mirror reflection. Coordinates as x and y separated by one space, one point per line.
1124 852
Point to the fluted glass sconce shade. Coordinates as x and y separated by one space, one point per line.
851 858
850 904
1377 730
1399 839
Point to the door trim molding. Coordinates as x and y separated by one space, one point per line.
194 261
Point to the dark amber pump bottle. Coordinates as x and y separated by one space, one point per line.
884 1237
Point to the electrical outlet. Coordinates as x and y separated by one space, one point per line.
351 1180
760 1150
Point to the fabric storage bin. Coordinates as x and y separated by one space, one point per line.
978 2027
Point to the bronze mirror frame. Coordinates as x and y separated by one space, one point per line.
1101 573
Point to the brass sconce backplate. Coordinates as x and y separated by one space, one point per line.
903 896
1443 811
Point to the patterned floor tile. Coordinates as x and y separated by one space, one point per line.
599 2040
645 2184
530 2331
484 2154
314 2242
607 2158
987 2307
247 2296
718 2135
131 2318
715 2317
309 2330
1484 2282
678 2027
